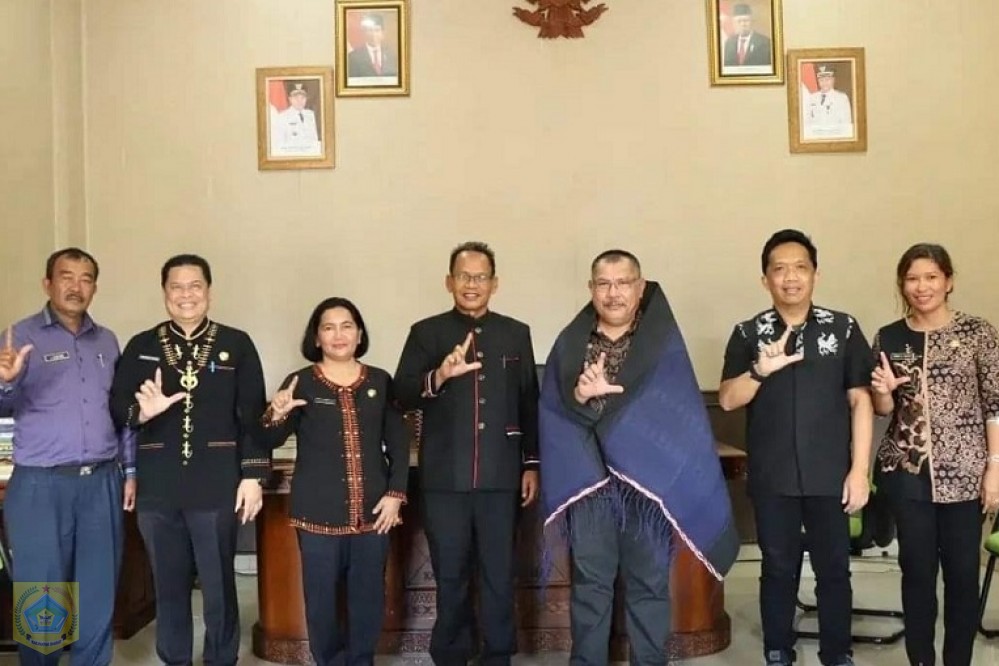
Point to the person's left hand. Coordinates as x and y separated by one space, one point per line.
990 489
129 495
249 499
856 491
387 511
528 487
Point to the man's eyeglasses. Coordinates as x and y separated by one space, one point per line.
468 278
604 286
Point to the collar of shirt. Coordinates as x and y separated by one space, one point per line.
48 318
197 333
469 319
596 333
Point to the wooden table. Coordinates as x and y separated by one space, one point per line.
700 624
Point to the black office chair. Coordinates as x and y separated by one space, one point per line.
878 529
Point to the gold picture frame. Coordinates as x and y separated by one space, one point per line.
295 118
372 48
827 100
745 42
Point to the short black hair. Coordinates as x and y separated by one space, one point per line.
310 347
788 236
614 256
185 260
74 253
473 246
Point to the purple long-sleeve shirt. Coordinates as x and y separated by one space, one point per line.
59 401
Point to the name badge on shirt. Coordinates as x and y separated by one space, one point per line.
324 401
57 356
154 359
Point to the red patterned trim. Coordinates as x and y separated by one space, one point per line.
395 494
331 530
351 447
428 385
268 420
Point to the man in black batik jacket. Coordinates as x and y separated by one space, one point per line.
471 371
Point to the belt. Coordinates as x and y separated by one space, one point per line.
83 469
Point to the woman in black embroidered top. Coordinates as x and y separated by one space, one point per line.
350 478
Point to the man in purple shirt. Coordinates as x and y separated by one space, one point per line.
63 504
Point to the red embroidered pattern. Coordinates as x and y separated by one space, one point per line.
351 447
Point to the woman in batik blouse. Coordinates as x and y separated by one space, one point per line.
349 483
938 464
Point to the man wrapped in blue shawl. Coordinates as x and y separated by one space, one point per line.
628 461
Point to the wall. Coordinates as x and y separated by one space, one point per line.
551 151
41 185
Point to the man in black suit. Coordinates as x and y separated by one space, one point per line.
373 58
746 48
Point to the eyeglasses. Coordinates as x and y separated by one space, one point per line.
468 278
604 286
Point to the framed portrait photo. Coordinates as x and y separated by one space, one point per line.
372 48
295 118
826 100
745 42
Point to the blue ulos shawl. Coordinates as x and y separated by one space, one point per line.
655 438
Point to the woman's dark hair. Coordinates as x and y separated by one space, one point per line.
310 348
935 253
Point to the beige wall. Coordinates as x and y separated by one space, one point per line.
41 185
551 151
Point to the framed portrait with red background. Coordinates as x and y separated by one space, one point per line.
372 47
745 42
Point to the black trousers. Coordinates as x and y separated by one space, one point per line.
930 537
459 525
601 544
176 540
779 521
326 562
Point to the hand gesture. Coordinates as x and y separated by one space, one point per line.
883 379
284 401
455 364
151 400
11 360
387 511
773 357
990 489
249 499
128 492
529 484
856 492
592 383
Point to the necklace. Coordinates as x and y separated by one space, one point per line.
194 359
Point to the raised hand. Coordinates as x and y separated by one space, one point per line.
592 382
455 363
284 401
151 400
883 379
773 357
11 360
